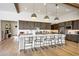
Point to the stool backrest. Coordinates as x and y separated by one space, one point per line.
52 36
56 36
28 39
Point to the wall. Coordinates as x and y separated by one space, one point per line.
13 29
67 17
12 16
72 31
4 15
0 30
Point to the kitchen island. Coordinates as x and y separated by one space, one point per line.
44 40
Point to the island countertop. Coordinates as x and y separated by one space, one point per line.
24 35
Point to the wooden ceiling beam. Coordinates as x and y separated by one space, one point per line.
17 7
75 5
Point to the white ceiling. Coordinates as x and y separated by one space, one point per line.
51 8
9 7
8 11
38 8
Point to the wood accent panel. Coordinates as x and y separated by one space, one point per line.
75 24
17 7
75 5
9 47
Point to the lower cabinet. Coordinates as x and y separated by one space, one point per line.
74 38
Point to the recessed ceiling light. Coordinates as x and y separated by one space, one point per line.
25 8
57 7
38 10
44 4
67 10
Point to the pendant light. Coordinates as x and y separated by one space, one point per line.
56 18
33 16
46 17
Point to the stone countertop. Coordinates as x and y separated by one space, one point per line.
72 34
39 35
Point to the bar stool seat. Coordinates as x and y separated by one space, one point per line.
37 41
56 39
63 39
47 41
28 43
53 42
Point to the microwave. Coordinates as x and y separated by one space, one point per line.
68 27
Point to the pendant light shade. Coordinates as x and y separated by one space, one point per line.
56 18
46 17
34 15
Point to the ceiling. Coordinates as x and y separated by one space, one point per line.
7 7
39 8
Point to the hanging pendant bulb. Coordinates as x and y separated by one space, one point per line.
56 18
33 16
46 17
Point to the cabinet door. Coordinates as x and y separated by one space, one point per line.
26 25
61 24
48 26
78 24
21 25
75 25
37 24
30 25
42 25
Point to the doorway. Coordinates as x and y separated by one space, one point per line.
8 29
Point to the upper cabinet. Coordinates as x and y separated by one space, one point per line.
23 25
78 24
62 24
55 27
37 24
75 24
67 25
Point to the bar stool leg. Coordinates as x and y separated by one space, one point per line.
24 45
40 41
55 43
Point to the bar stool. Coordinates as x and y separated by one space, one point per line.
63 39
47 40
56 39
60 39
42 42
37 42
28 43
53 42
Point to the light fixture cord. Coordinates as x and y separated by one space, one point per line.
56 10
33 8
46 9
